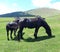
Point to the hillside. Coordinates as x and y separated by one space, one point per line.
16 14
45 12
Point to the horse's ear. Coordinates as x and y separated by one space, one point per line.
17 21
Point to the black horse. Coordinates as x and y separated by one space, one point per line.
12 26
33 23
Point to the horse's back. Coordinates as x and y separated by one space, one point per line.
31 22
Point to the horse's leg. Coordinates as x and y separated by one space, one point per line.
20 35
15 32
36 31
11 34
7 34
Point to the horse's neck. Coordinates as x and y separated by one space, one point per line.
46 26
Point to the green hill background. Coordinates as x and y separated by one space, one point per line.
44 12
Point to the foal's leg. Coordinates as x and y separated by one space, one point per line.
36 31
11 34
7 34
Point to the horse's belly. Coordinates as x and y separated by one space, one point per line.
31 26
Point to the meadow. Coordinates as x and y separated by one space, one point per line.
29 44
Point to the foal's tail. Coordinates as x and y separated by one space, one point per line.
6 27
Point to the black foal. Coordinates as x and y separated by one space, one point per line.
12 26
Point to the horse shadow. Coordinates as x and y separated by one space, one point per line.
41 38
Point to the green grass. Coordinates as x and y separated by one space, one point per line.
42 44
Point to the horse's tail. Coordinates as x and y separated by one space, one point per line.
47 27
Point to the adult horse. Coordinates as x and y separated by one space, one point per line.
33 23
12 26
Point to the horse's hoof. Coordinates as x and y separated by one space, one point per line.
50 36
18 40
22 38
35 37
8 39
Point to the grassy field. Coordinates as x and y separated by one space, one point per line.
29 44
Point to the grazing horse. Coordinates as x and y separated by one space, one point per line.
33 23
12 26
